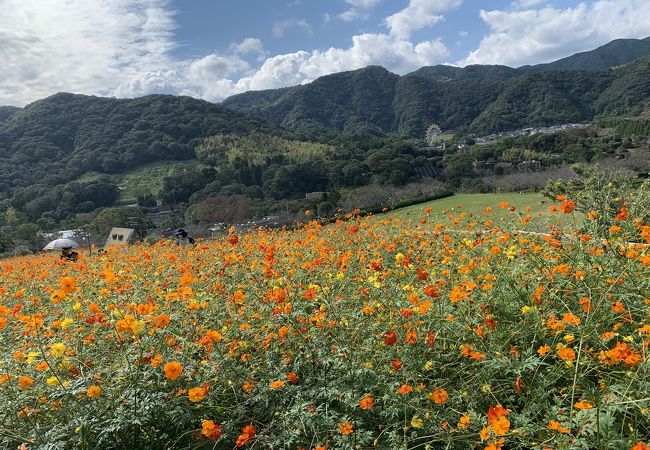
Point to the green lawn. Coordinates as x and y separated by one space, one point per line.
476 204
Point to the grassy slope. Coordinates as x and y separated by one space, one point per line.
147 177
476 204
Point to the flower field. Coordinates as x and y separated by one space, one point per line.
367 333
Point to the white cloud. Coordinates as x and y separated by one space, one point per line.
417 15
81 45
357 10
123 48
541 35
367 49
279 28
247 46
364 4
209 77
523 4
350 15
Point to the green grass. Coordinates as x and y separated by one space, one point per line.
475 203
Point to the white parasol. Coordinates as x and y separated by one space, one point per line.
61 243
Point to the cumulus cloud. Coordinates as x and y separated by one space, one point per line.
247 46
123 48
417 15
526 3
357 10
279 28
367 49
85 45
216 77
533 36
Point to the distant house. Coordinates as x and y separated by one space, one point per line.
315 195
119 236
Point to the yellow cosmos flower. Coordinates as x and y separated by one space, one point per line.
58 349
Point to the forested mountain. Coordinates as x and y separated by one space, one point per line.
612 54
473 72
478 99
51 142
6 112
71 134
358 102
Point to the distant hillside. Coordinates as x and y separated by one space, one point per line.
612 54
473 72
51 142
477 98
81 133
357 102
7 111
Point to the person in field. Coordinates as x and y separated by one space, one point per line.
183 238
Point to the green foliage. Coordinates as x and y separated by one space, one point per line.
228 209
122 217
626 126
606 200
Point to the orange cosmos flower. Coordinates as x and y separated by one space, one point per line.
582 404
94 391
367 402
496 411
618 307
211 430
622 214
173 370
25 382
404 389
293 377
390 337
640 446
439 396
571 318
57 296
67 284
567 207
345 428
463 422
247 434
500 425
197 394
4 378
277 384
566 354
411 337
553 425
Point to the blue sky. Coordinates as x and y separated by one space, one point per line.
212 49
